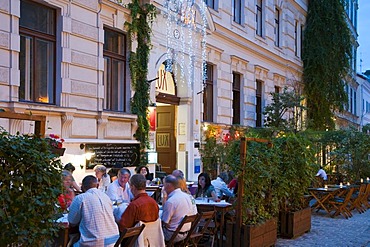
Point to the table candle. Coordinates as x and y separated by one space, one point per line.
348 184
362 180
326 186
341 185
367 179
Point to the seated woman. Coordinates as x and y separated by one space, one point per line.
69 167
144 170
65 199
205 189
102 176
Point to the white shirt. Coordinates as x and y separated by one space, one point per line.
104 183
221 188
321 173
117 193
93 210
176 207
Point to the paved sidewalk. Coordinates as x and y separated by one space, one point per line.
333 232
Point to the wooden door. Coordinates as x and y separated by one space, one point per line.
165 138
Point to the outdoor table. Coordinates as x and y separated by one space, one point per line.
221 207
63 235
322 195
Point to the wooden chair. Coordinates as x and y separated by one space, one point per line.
203 227
194 219
341 204
365 198
129 236
356 199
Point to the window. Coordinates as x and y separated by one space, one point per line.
351 100
277 27
277 89
259 18
354 102
236 98
296 42
37 27
211 3
208 95
238 11
115 84
259 104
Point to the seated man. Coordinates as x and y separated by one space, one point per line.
119 190
221 187
323 176
93 212
142 208
176 207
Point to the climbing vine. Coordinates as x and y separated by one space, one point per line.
327 52
142 16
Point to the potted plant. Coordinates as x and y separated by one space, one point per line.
259 200
296 172
56 144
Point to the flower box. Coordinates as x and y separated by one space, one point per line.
58 151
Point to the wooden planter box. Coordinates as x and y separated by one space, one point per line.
261 235
294 224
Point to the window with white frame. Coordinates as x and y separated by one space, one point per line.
277 27
259 100
259 18
236 97
208 95
212 4
115 84
238 7
37 30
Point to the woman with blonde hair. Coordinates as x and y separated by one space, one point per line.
102 176
65 199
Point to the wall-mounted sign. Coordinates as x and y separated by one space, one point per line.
165 83
108 154
163 140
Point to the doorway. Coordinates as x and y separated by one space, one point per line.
166 137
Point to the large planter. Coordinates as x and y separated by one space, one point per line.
261 235
294 224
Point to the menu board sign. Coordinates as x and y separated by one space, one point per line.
109 154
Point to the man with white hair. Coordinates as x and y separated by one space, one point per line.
221 187
176 207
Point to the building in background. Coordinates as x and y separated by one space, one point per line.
68 61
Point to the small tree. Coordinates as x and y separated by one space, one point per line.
285 110
30 183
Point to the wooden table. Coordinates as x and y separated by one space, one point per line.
322 195
221 207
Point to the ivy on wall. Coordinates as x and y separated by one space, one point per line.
327 52
142 16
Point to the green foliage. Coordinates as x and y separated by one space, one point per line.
30 183
140 28
326 56
285 110
212 150
350 152
276 177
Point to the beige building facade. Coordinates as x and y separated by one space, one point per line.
69 63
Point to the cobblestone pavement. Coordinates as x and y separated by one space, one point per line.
333 232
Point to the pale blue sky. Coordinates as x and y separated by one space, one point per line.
363 30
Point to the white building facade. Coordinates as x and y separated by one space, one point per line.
68 61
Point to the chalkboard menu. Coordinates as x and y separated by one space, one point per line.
109 154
